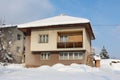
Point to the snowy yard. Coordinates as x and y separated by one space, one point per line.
107 71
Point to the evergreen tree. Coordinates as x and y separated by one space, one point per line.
104 53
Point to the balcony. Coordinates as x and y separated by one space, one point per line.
69 45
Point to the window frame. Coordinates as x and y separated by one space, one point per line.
62 56
18 37
45 56
17 49
43 38
63 38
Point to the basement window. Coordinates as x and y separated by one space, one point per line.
45 55
71 55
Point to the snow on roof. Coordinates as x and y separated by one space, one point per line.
57 20
6 26
97 57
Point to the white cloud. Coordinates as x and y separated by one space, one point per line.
19 11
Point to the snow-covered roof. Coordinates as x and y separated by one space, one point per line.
97 57
7 26
57 20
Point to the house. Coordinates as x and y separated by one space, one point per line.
15 40
60 39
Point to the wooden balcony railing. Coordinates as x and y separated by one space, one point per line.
69 44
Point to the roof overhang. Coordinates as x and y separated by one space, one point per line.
87 26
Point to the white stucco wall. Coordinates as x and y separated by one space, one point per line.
52 42
87 41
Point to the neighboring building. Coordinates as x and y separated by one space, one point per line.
60 39
16 39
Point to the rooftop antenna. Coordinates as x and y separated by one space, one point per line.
63 14
0 21
3 22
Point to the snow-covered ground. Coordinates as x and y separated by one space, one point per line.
107 71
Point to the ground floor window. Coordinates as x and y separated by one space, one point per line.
45 55
70 55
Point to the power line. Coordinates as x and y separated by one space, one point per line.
106 25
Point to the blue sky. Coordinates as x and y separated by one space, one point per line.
103 14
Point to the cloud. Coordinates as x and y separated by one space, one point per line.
20 11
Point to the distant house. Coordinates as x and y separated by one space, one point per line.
60 39
17 48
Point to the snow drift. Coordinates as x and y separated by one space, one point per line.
107 71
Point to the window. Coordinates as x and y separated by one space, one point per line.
17 49
61 55
65 54
24 49
18 36
76 55
70 55
63 38
43 38
45 55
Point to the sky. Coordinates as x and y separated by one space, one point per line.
104 16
